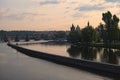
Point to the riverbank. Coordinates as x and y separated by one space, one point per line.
101 45
96 67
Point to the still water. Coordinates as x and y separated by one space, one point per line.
111 56
17 66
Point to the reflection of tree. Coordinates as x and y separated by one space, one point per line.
90 53
73 51
86 52
118 53
110 56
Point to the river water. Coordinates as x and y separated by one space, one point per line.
17 66
104 55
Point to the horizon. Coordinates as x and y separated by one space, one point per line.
53 15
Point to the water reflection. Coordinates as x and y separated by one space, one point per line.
95 54
110 56
88 53
73 51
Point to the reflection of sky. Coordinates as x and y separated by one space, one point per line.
53 14
53 49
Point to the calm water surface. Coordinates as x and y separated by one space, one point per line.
111 56
17 66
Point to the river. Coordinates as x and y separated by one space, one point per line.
104 55
17 66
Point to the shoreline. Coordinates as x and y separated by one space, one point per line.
98 45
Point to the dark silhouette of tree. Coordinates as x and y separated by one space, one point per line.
111 25
102 32
89 34
73 28
74 35
78 29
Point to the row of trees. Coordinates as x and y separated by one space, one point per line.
107 33
87 34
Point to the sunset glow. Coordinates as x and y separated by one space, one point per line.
41 15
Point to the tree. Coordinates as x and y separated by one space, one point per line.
78 29
111 25
102 32
72 28
89 34
74 35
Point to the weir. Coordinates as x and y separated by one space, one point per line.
105 69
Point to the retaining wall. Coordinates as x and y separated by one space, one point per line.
103 68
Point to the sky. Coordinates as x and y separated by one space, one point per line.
45 15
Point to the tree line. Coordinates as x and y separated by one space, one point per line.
108 32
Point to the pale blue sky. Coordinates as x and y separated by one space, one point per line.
53 14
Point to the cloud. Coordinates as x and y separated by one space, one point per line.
33 14
20 16
3 10
67 7
14 17
74 2
79 15
112 0
35 0
90 7
76 15
46 2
